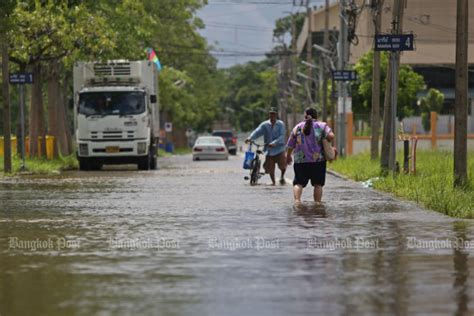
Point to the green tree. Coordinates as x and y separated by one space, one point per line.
251 90
432 102
410 84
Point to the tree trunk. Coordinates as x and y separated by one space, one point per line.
37 124
64 121
461 97
53 91
19 140
7 154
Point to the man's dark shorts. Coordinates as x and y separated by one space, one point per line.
314 171
270 161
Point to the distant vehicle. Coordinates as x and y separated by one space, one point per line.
116 113
229 139
210 147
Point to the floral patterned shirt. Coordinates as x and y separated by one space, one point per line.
308 148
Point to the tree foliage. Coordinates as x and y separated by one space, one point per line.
432 102
251 90
410 84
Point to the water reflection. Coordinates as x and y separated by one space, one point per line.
310 211
461 269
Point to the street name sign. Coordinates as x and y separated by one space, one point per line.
394 42
344 75
21 78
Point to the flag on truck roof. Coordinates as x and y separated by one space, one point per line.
150 52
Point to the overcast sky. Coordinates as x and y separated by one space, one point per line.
243 27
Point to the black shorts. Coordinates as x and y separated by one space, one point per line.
314 171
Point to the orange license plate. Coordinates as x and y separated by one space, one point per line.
112 149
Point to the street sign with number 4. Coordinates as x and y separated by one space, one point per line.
394 42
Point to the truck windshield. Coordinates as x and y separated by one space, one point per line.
112 103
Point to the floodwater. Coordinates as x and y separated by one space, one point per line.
194 238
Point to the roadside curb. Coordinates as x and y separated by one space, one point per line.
338 175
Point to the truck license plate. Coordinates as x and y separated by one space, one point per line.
112 149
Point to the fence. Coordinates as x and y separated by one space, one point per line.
50 143
442 137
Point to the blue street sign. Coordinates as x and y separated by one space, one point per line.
344 75
21 78
399 42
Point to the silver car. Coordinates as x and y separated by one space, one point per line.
210 147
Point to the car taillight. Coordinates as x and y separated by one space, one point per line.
198 149
220 149
234 140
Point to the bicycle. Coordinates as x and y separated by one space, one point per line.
256 163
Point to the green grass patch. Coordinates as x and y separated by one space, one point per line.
431 187
43 166
177 151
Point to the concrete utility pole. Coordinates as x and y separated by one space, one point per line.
389 141
375 111
461 98
7 149
325 73
283 83
294 61
342 88
309 45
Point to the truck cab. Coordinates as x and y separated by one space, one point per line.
116 114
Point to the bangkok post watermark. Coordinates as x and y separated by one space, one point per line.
56 243
144 243
356 243
233 244
439 243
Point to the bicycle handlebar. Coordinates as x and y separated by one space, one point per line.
258 145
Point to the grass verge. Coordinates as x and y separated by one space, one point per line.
42 166
431 187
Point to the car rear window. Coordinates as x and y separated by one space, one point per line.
222 134
210 141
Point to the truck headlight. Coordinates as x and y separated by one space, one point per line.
83 150
141 148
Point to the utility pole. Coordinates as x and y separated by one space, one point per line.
309 45
323 66
388 159
342 88
294 61
460 112
375 111
7 149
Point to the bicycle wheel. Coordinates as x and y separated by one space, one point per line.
255 170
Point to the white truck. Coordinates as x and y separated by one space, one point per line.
116 113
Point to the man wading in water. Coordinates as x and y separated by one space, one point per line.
305 142
273 132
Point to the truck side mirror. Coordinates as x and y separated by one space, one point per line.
153 98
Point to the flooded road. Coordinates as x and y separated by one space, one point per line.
194 238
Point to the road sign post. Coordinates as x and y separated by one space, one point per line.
21 79
394 43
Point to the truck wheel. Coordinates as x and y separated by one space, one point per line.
153 154
83 164
86 164
153 164
144 163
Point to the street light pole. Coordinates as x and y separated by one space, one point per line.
342 59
